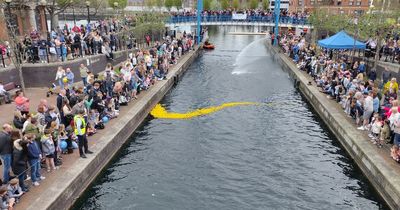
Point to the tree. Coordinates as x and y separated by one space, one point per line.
95 6
159 3
377 25
253 4
148 23
225 4
55 7
206 4
215 5
317 19
121 3
177 4
150 3
265 4
168 4
16 57
236 4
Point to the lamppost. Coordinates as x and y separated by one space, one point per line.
355 36
8 2
73 11
199 11
116 4
12 40
277 10
88 12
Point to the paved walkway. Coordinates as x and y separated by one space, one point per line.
69 160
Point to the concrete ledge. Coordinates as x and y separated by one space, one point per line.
43 74
75 180
376 164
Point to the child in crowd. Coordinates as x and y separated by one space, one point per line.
93 120
48 149
34 156
6 201
376 126
71 137
62 136
111 112
14 190
55 135
385 134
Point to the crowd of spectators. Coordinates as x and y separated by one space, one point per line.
39 138
251 15
389 51
67 43
370 101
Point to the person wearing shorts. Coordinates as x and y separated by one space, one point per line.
48 149
368 106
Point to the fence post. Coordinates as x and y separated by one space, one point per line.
47 54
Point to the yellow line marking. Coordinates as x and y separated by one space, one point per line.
160 112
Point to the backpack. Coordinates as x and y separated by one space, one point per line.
108 78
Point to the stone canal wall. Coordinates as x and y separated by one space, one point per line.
43 74
382 172
76 179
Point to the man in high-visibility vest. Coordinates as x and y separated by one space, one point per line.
80 132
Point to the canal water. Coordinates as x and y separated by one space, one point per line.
279 156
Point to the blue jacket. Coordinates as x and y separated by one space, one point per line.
33 151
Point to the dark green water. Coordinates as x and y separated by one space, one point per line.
254 157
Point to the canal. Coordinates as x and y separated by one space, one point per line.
279 156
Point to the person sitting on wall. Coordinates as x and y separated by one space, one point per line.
4 93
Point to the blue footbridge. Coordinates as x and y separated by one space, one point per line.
235 20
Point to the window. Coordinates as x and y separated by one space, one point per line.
339 3
358 3
351 3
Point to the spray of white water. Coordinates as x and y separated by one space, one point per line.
247 55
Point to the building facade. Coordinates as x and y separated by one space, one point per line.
22 19
284 4
334 6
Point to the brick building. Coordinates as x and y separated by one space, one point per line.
23 19
334 6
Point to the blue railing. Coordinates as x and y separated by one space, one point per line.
228 18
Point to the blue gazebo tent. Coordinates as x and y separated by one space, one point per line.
341 41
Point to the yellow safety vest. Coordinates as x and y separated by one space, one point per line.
83 128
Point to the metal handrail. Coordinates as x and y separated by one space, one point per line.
228 18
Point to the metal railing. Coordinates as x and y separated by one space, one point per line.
33 54
228 18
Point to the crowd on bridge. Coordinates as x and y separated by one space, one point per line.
39 137
371 101
250 15
67 43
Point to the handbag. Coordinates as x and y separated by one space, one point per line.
52 50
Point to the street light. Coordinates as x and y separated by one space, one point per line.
116 4
73 11
88 14
8 2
